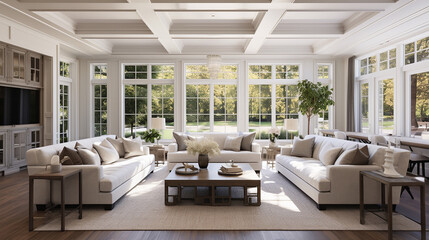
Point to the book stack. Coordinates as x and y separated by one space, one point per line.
226 168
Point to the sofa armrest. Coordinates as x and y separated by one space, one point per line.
172 147
94 171
342 172
286 151
256 147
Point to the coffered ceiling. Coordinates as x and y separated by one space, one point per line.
208 26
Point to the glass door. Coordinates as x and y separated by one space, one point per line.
64 113
364 111
19 143
419 104
2 149
385 106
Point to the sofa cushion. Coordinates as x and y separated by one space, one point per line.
180 140
107 152
118 144
133 147
119 172
89 156
302 148
355 156
233 143
246 142
310 170
219 138
328 154
224 156
75 159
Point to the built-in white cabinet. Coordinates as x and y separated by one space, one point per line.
14 144
18 65
34 70
2 63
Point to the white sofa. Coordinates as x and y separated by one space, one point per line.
102 185
338 184
252 157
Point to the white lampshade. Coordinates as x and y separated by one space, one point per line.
158 123
292 124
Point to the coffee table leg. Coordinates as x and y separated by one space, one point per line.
389 212
246 199
80 195
63 218
361 199
259 194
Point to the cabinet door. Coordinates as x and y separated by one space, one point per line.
19 146
34 70
18 66
2 63
3 147
34 138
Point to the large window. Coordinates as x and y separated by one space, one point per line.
135 109
419 103
99 101
211 105
324 75
385 106
364 111
273 97
417 51
148 93
64 113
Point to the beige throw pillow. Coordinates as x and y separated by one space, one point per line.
89 156
180 140
328 154
133 147
233 143
355 156
302 147
118 145
107 152
247 141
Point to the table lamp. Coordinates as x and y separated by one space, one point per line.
291 125
158 124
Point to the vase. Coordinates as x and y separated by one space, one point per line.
203 160
273 144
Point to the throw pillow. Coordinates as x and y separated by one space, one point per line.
72 154
89 156
118 145
233 143
302 147
328 154
247 141
107 152
133 147
180 140
356 156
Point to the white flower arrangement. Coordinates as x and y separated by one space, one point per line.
202 146
274 133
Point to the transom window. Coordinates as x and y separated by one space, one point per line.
323 71
64 69
162 71
368 65
417 51
99 72
135 71
388 59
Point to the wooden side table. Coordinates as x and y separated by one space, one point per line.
390 183
270 154
159 152
61 176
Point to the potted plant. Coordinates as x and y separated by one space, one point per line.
313 99
204 148
274 134
151 135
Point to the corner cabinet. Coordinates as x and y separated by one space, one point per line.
14 144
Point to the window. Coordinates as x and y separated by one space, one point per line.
135 71
100 109
162 72
388 59
99 72
419 103
163 106
64 69
323 71
417 51
211 106
368 65
324 75
385 106
272 98
364 113
64 113
135 109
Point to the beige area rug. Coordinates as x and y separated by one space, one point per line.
284 207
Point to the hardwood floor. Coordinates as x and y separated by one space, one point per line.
14 222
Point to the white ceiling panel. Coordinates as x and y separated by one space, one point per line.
318 17
211 15
104 16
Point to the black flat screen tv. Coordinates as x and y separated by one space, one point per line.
19 106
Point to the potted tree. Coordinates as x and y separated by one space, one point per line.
313 99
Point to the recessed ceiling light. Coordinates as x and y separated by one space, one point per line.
213 15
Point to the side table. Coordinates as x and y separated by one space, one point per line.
61 176
390 183
270 154
159 152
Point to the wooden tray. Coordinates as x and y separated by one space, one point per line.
181 171
230 174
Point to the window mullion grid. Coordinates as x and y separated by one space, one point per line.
211 111
273 96
149 105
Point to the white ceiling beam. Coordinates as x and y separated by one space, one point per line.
268 23
158 28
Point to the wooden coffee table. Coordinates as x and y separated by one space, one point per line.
210 178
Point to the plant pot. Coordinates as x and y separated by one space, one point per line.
203 160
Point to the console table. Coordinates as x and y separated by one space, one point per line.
61 176
389 183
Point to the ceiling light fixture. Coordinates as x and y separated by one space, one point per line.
214 63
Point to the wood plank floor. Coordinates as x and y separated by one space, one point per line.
14 222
